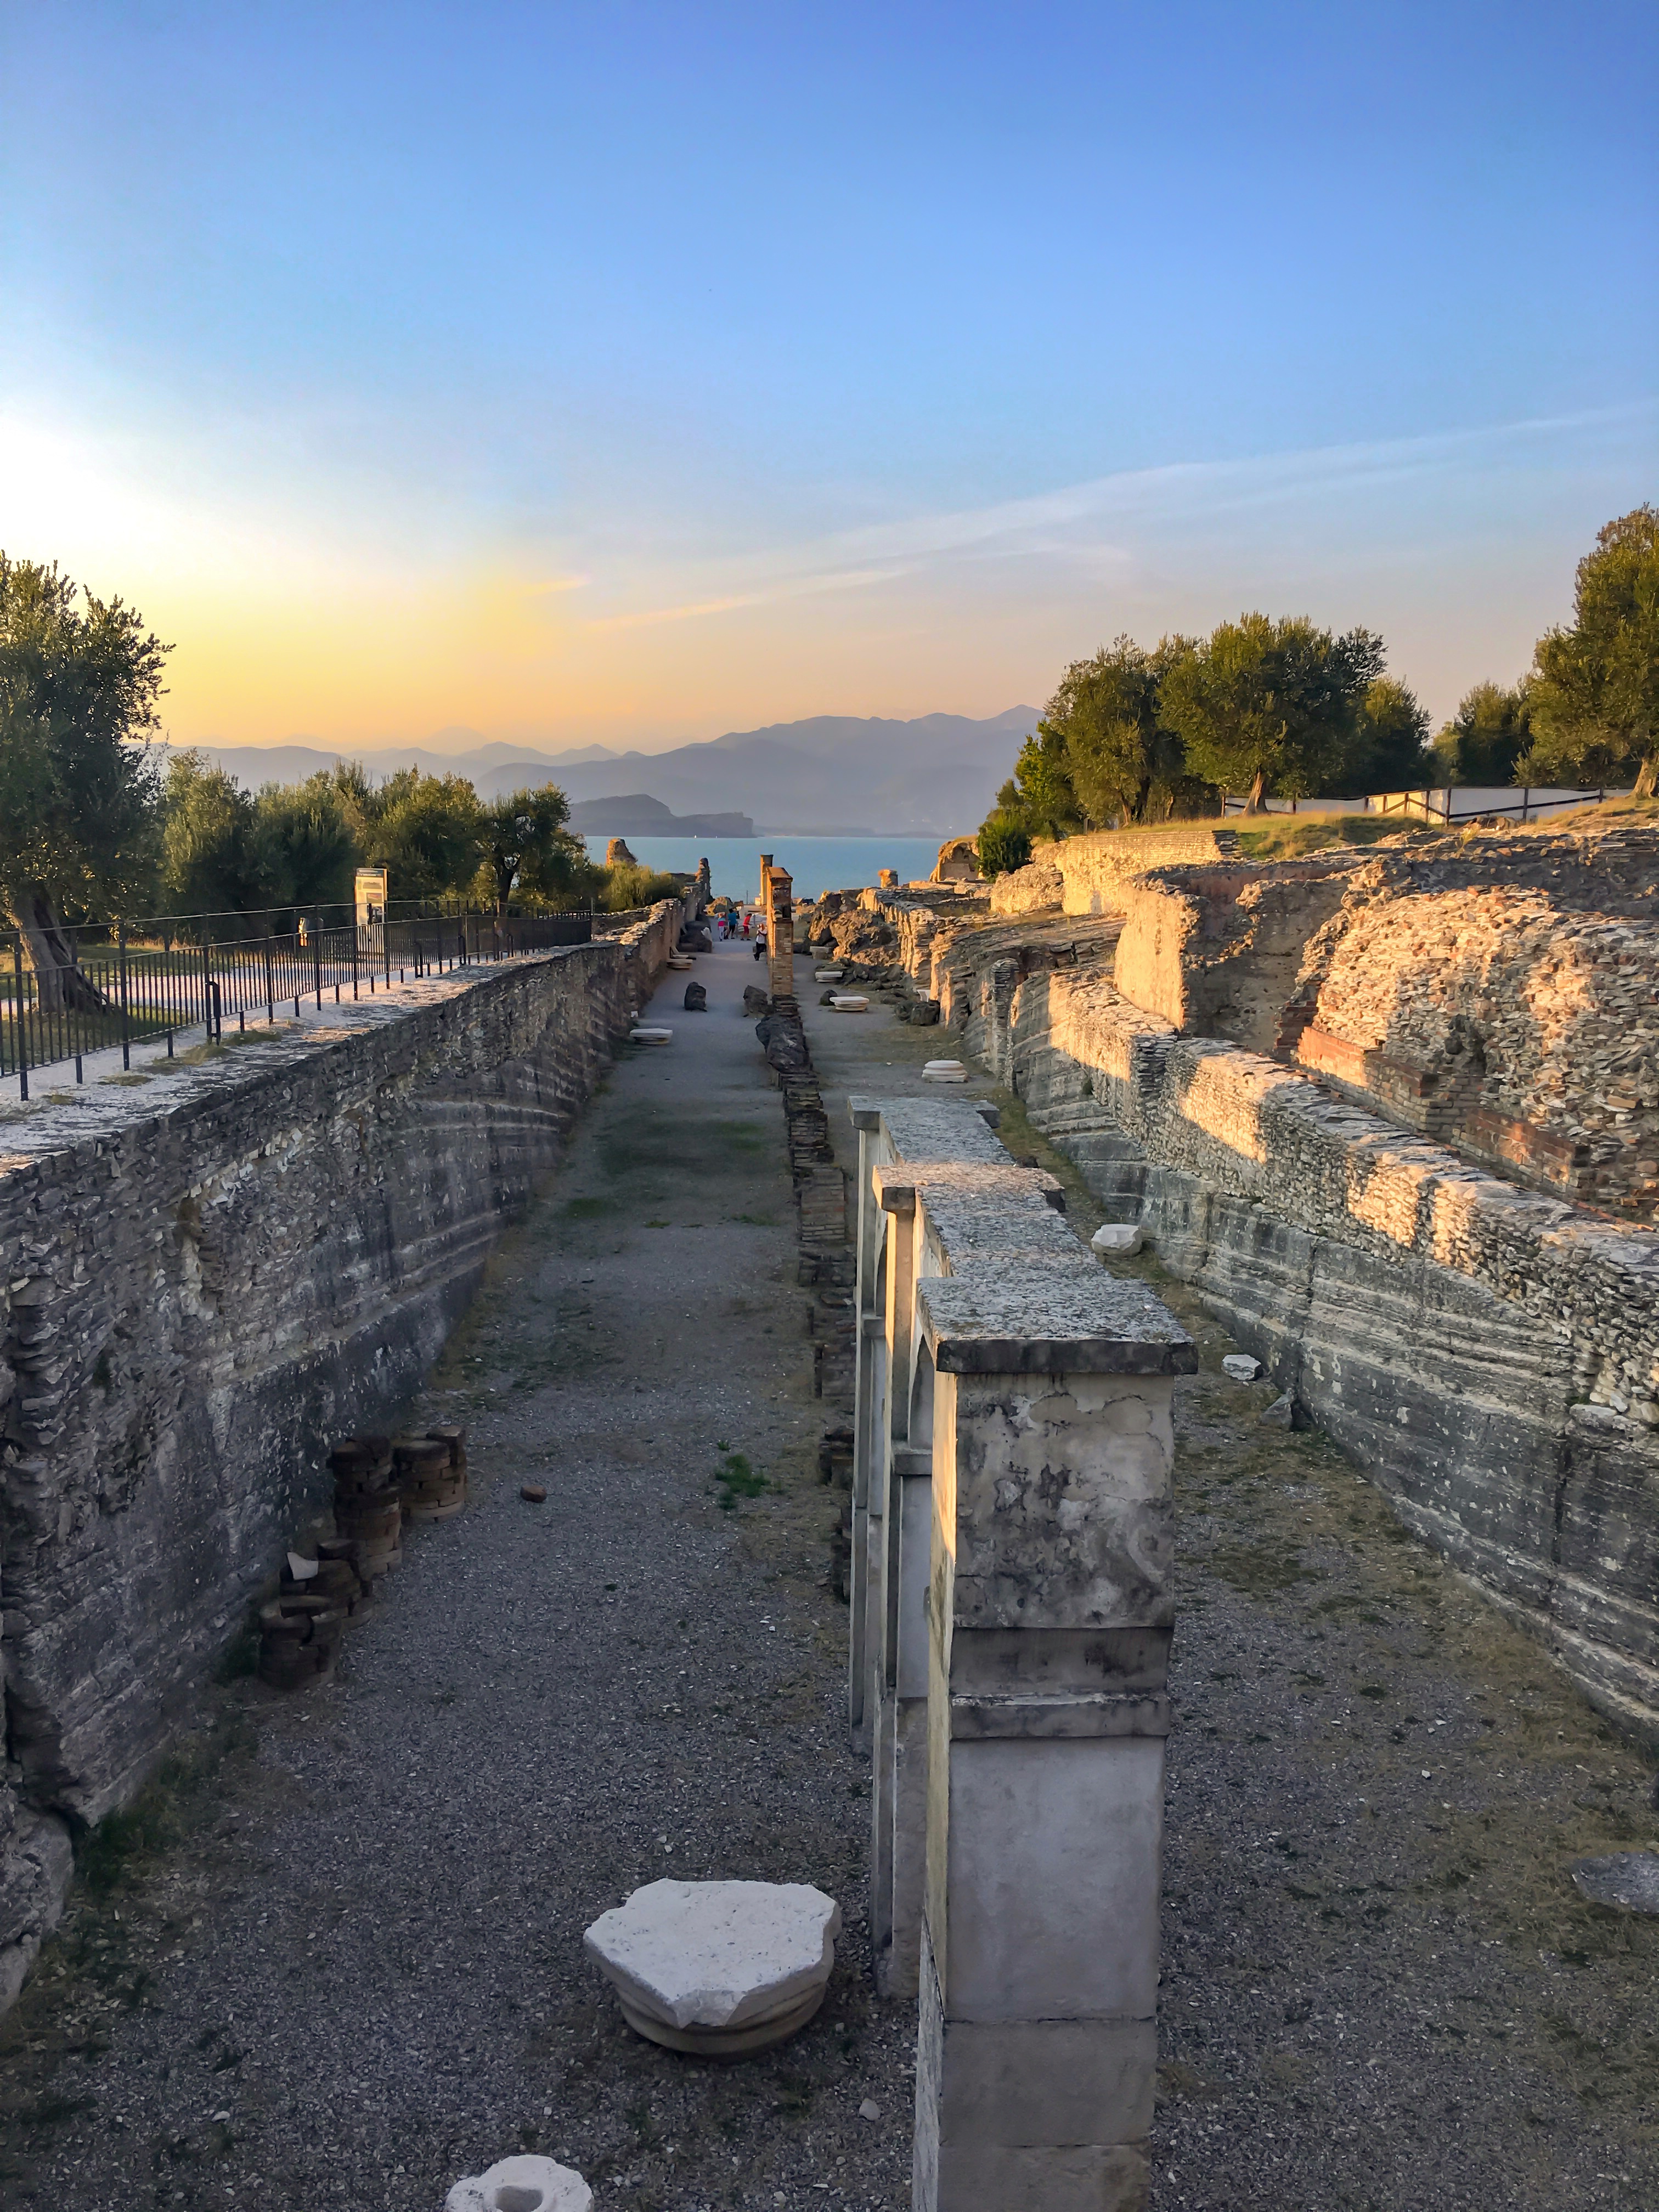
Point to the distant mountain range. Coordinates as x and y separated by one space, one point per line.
832 775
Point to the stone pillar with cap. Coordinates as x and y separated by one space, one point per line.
930 1129
1050 1612
961 1216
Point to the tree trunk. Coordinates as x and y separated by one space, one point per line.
63 984
1258 784
1647 777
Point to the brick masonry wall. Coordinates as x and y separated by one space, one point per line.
206 1283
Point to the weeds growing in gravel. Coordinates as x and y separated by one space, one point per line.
735 1478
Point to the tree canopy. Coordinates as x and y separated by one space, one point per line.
78 688
524 840
1486 737
1118 751
1390 749
1270 707
1039 794
1594 698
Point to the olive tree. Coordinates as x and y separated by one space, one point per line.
1119 750
1594 699
526 844
1488 735
1270 707
78 786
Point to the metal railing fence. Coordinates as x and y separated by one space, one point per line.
138 982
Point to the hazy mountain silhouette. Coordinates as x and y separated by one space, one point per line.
936 773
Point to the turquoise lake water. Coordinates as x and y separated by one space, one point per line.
817 864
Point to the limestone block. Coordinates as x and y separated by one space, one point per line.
849 1002
1281 1414
1241 1367
828 974
651 1035
718 1968
1119 1240
521 2185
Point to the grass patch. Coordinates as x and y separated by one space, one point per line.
125 1081
735 1478
122 1846
589 1209
110 1855
1289 836
1258 1570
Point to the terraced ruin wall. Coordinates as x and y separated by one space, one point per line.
1488 1354
206 1281
1496 995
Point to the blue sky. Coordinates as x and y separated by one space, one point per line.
638 372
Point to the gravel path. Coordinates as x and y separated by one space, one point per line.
339 1961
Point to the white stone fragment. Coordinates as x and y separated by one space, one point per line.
849 1002
869 2109
828 974
1123 1239
718 1967
944 1075
932 1067
1241 1367
649 1035
301 1570
521 2185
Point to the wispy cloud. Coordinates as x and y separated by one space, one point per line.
1100 519
842 579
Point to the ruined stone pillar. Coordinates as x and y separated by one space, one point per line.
1050 1612
881 1583
780 930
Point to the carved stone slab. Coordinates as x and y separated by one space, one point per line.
718 1968
521 2185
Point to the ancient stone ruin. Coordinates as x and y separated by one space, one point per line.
1395 1111
1392 1113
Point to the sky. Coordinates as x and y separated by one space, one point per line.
628 373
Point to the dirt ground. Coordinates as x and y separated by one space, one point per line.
334 1956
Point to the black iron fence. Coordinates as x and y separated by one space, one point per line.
137 982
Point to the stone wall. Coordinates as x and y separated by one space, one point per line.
1493 991
1086 875
1488 1354
208 1277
